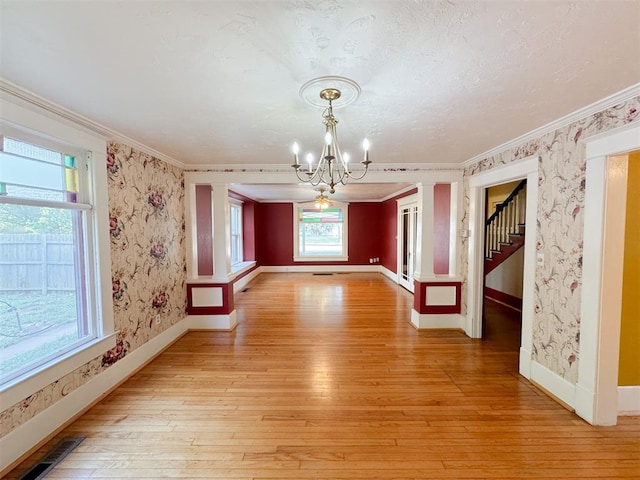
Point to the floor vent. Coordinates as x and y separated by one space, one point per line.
51 459
323 273
245 289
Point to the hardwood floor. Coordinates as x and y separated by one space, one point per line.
325 378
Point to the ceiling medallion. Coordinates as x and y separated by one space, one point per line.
333 165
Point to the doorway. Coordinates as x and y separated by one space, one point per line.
504 264
526 168
407 240
597 387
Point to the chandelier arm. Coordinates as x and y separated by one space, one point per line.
331 169
353 177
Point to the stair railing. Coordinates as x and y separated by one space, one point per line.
506 220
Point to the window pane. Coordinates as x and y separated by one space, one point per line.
42 306
29 171
320 232
330 215
236 233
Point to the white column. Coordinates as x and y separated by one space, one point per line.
424 250
221 233
191 231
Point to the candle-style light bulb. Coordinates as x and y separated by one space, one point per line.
328 139
345 161
296 150
310 160
365 146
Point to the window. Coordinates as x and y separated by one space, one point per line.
236 232
45 213
321 234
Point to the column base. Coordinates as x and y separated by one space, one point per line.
436 320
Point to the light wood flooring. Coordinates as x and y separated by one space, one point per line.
325 378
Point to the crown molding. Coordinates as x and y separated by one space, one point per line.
282 168
30 98
600 105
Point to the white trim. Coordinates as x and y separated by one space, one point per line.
596 107
343 257
321 259
244 281
21 439
191 230
410 203
526 358
22 387
37 124
456 211
525 168
396 194
321 268
629 400
388 273
206 296
33 100
241 267
212 322
439 320
597 389
27 435
408 200
553 383
377 168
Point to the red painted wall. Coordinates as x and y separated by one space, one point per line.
204 240
441 226
248 231
372 232
365 233
248 225
274 234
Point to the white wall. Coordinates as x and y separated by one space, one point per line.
507 278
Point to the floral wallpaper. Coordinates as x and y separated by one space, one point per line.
148 267
559 231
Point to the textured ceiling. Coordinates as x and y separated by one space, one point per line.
216 83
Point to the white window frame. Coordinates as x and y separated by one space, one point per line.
32 125
343 257
235 204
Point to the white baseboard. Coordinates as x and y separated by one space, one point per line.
389 274
440 320
553 383
212 322
525 363
23 438
26 436
244 281
321 268
629 400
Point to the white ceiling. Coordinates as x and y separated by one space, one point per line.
216 82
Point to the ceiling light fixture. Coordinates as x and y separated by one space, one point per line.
333 165
322 201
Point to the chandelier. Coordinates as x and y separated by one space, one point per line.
332 167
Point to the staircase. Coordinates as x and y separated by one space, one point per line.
505 229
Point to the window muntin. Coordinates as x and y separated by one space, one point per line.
236 232
43 236
321 234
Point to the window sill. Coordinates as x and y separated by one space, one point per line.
242 267
22 387
320 259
